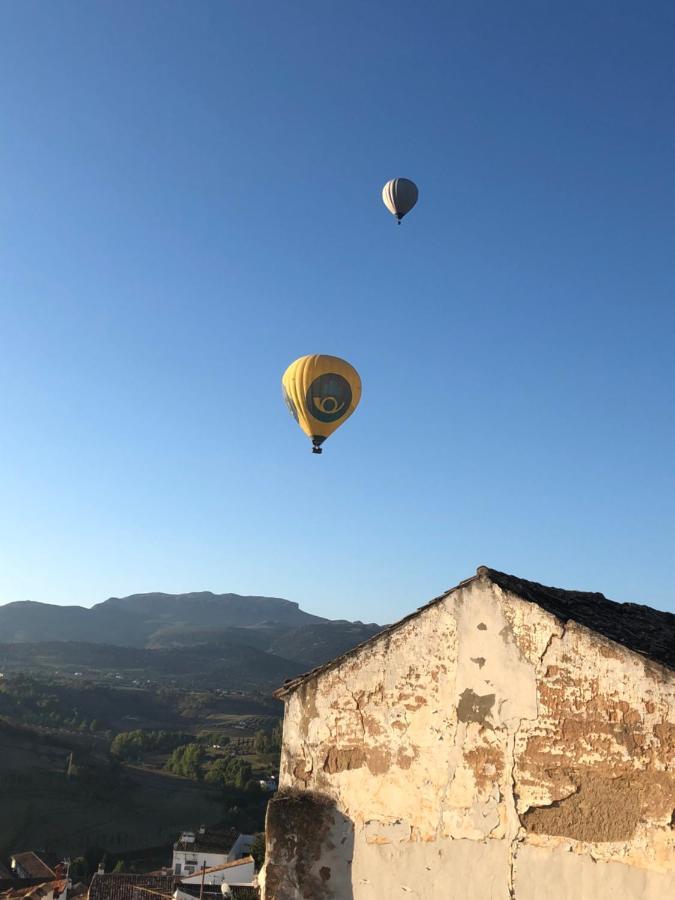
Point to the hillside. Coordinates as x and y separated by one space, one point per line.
207 608
222 665
315 644
194 640
115 807
196 666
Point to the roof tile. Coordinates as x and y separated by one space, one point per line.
122 886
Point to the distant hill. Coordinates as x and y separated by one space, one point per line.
131 621
195 639
72 677
310 644
316 643
202 666
206 608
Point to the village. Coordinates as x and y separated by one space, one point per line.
504 729
206 863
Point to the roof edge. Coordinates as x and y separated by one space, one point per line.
293 683
242 861
638 628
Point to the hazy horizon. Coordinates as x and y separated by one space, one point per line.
303 606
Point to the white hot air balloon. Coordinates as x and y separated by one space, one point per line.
399 196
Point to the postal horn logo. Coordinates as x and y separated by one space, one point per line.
329 397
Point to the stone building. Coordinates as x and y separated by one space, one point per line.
507 741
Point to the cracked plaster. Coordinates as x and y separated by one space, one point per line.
479 773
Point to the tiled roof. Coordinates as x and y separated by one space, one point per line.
194 889
36 866
228 865
213 891
33 891
119 886
244 892
642 629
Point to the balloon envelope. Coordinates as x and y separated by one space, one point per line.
399 196
321 393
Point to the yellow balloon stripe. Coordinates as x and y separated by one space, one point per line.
322 392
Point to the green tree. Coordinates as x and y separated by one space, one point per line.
79 869
217 772
238 772
94 856
128 745
131 745
257 850
275 737
230 772
261 742
187 761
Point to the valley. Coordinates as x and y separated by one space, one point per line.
123 724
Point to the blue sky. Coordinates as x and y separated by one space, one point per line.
191 199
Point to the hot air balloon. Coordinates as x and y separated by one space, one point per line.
321 392
399 196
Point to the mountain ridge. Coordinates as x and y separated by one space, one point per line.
157 621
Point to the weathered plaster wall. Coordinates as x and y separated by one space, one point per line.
475 750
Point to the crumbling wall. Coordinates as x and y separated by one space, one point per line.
477 741
309 847
597 765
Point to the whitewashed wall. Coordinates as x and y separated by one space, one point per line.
480 750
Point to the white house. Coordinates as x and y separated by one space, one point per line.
241 847
269 784
208 849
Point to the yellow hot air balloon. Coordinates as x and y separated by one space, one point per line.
321 392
